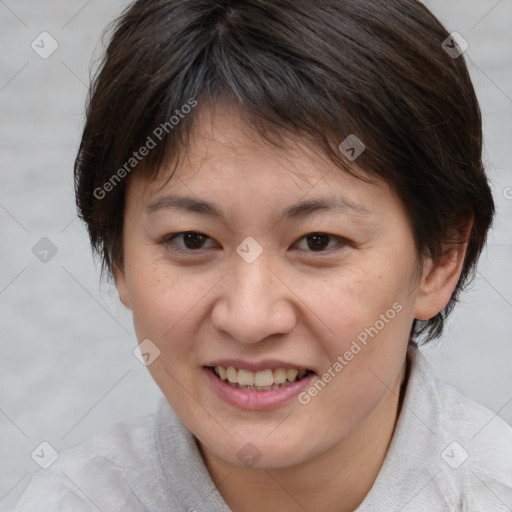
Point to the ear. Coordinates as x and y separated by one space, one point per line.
121 285
440 276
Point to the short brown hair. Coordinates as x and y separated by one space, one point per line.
321 69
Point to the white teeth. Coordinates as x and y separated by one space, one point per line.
232 375
291 375
246 378
280 375
264 380
221 372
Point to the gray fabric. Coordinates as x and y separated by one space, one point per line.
153 464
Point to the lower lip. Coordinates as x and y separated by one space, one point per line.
256 400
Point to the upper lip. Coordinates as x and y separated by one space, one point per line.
268 364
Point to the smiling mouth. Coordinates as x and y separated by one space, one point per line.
266 380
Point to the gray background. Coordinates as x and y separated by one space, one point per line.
67 369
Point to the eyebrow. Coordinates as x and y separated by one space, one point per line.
298 210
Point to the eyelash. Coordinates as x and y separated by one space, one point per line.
168 242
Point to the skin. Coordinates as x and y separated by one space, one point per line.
293 303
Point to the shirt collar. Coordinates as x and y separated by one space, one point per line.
183 464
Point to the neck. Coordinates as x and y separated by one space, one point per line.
336 481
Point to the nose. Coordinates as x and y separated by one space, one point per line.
254 303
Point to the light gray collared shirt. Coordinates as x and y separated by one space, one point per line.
447 454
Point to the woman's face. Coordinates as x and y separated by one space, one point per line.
293 267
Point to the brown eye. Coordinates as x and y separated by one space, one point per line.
319 242
186 241
194 240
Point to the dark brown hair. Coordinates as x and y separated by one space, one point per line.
320 69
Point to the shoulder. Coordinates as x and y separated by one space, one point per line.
109 472
447 452
472 446
479 449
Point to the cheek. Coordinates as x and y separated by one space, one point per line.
164 305
165 301
369 315
156 293
356 298
158 306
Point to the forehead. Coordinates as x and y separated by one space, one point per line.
225 157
